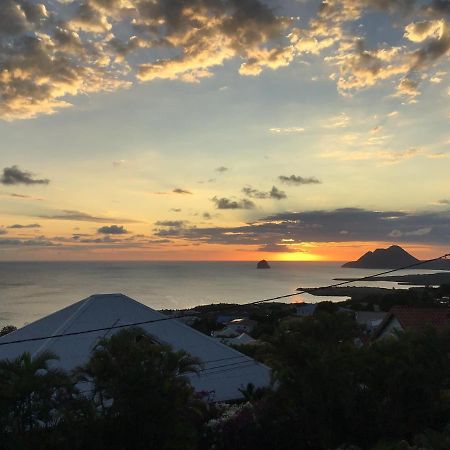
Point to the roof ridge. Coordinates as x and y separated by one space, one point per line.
85 304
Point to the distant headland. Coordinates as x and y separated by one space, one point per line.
393 258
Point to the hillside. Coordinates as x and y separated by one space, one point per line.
393 258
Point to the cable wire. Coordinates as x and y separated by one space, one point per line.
256 302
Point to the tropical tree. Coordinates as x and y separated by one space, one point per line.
142 394
31 394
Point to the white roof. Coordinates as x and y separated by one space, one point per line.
243 339
224 370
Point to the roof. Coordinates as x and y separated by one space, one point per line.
242 339
414 318
224 369
369 316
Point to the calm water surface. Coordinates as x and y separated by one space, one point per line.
30 290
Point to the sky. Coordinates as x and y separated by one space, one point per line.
223 129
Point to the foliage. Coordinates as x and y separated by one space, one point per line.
329 394
140 390
32 397
332 394
7 329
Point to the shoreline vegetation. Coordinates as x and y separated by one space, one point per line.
335 386
421 279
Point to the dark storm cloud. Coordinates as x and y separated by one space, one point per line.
226 203
112 229
296 180
181 191
79 216
20 226
14 176
340 225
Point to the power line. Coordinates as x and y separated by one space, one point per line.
256 302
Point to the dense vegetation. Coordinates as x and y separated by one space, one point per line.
328 393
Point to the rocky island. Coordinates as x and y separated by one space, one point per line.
263 264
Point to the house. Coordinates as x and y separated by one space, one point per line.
235 327
242 325
369 320
402 318
224 370
224 318
242 339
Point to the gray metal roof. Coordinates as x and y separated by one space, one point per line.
224 369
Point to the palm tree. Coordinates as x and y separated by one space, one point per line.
30 390
141 391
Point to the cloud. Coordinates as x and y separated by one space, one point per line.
50 53
438 155
287 130
55 50
342 120
383 156
420 31
408 87
14 176
226 203
79 216
181 191
43 60
419 232
327 226
170 228
40 241
21 196
112 229
101 240
277 248
438 77
20 226
296 180
171 223
332 31
222 169
274 193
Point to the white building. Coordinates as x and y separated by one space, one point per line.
224 370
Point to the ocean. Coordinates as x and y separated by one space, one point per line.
31 290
